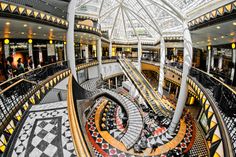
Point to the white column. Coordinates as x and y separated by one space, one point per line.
139 55
169 88
176 92
233 61
109 84
86 55
65 54
116 82
183 94
220 61
124 78
162 65
214 51
99 56
209 61
70 37
110 49
30 46
6 50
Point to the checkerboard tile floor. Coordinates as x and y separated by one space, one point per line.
45 132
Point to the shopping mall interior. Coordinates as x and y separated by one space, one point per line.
122 78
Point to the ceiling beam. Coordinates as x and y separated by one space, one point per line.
149 15
114 23
123 18
131 23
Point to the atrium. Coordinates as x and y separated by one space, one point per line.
117 78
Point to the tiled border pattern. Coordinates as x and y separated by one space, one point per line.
104 147
221 11
32 13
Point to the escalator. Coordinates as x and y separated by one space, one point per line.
145 89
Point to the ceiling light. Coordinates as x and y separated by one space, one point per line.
218 27
8 23
232 34
34 33
45 35
222 37
234 23
39 27
25 25
22 32
51 29
214 38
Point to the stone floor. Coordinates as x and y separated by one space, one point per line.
44 132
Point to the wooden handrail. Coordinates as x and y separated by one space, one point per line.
78 140
14 84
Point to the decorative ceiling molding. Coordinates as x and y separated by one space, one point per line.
24 11
219 12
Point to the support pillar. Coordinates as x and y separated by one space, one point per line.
116 82
233 68
214 51
220 61
139 55
109 83
209 60
176 92
31 54
6 50
99 56
110 49
124 78
70 37
65 54
183 94
162 65
86 53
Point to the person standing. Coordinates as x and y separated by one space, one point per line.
9 70
20 67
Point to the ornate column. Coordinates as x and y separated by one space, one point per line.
183 94
30 46
162 65
70 37
139 55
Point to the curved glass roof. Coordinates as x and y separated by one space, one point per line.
130 20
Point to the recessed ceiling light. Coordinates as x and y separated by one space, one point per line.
218 27
234 23
34 33
8 23
45 35
25 25
214 38
232 34
22 32
39 27
222 37
51 29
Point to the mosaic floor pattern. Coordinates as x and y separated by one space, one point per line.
44 133
104 147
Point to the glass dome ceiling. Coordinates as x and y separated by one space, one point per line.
131 20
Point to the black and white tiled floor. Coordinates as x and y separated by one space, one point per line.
90 85
45 132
